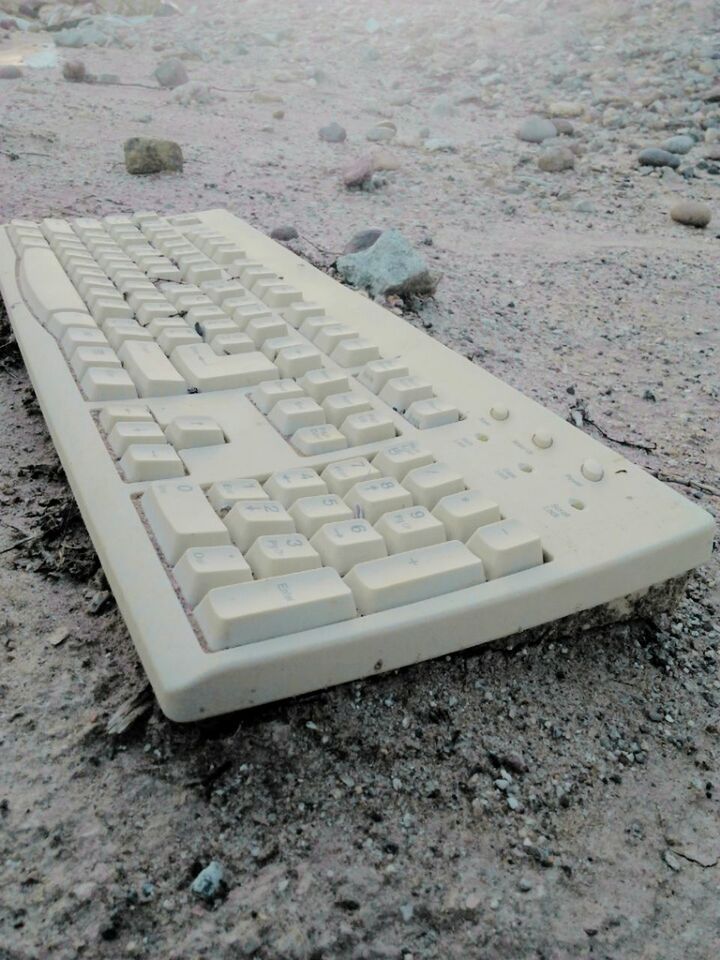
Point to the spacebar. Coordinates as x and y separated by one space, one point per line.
45 285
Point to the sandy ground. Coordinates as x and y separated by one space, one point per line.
560 801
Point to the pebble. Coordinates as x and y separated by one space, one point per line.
680 144
359 173
10 72
389 266
439 145
566 108
525 885
656 157
536 129
362 240
563 126
713 152
556 159
584 206
671 860
209 883
171 73
284 234
383 131
145 155
332 133
691 213
75 71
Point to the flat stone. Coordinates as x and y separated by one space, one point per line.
145 155
556 160
389 266
171 73
680 144
656 157
383 131
332 133
566 108
691 213
536 130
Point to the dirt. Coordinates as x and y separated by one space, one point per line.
556 801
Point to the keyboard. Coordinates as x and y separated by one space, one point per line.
290 487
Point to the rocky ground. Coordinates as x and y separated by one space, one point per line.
559 801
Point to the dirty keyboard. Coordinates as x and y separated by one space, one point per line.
290 487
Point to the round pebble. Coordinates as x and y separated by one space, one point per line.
536 129
680 144
556 159
691 213
332 133
284 234
655 157
563 126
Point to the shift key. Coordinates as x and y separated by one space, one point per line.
150 370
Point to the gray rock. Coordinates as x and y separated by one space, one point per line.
148 155
536 129
556 159
333 133
284 234
563 126
584 206
171 73
362 240
691 213
439 145
359 173
167 9
86 35
75 71
210 882
389 266
680 144
10 72
655 157
381 132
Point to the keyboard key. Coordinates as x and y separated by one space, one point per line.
272 347
86 357
345 544
322 383
506 547
176 337
330 335
226 493
410 529
267 394
108 383
312 325
125 433
425 414
288 486
377 373
339 406
462 513
153 374
186 432
123 412
278 556
298 312
201 569
229 343
429 484
250 519
414 576
287 416
372 498
151 462
277 295
119 329
402 392
310 441
312 513
181 517
60 322
369 427
206 371
342 476
355 352
45 285
298 360
75 337
265 328
251 612
398 459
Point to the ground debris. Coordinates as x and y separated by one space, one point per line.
137 705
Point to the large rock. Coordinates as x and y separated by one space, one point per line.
536 129
147 155
691 213
389 266
171 73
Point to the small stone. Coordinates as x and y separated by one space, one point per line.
566 108
10 72
525 885
167 9
362 240
145 155
712 96
75 71
584 206
563 126
284 234
536 129
333 133
359 173
691 213
381 132
671 860
439 145
278 114
655 157
58 635
98 601
389 266
680 144
713 152
171 73
556 159
209 883
406 912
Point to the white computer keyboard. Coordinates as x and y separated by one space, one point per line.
288 486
